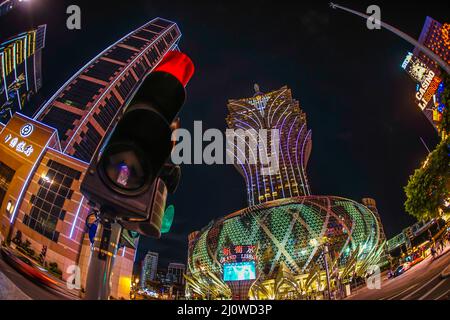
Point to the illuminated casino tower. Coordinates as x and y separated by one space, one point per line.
20 71
273 110
44 159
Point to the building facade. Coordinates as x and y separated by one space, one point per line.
149 268
44 158
372 205
288 235
426 72
274 111
435 36
177 271
20 71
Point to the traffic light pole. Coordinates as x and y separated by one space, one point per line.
103 252
119 181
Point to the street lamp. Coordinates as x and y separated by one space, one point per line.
325 258
401 34
313 242
324 245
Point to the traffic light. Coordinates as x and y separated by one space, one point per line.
167 221
151 226
171 175
123 177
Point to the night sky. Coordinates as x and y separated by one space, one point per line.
366 127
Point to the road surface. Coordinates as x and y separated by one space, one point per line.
422 282
28 287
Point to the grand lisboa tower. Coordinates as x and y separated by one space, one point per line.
298 237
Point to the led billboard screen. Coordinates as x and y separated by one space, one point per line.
239 271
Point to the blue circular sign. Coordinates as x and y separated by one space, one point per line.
26 130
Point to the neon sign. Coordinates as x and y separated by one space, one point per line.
19 145
417 69
238 253
259 103
427 89
407 60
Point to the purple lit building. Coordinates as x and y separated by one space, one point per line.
272 110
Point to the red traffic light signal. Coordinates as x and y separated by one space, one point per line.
177 64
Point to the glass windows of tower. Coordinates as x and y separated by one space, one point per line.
47 204
120 54
89 143
62 120
80 93
102 70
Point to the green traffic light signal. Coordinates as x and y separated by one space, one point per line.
167 219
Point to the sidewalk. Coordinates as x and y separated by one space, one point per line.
9 291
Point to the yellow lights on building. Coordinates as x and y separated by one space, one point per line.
31 43
8 60
45 178
17 51
445 30
20 44
124 283
10 207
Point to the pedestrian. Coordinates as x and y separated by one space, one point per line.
438 247
433 251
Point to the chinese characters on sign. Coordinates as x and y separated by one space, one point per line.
238 253
19 145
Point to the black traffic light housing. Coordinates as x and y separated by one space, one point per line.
167 182
121 178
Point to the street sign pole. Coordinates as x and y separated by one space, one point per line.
103 252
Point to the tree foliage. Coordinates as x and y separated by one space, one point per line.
429 185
